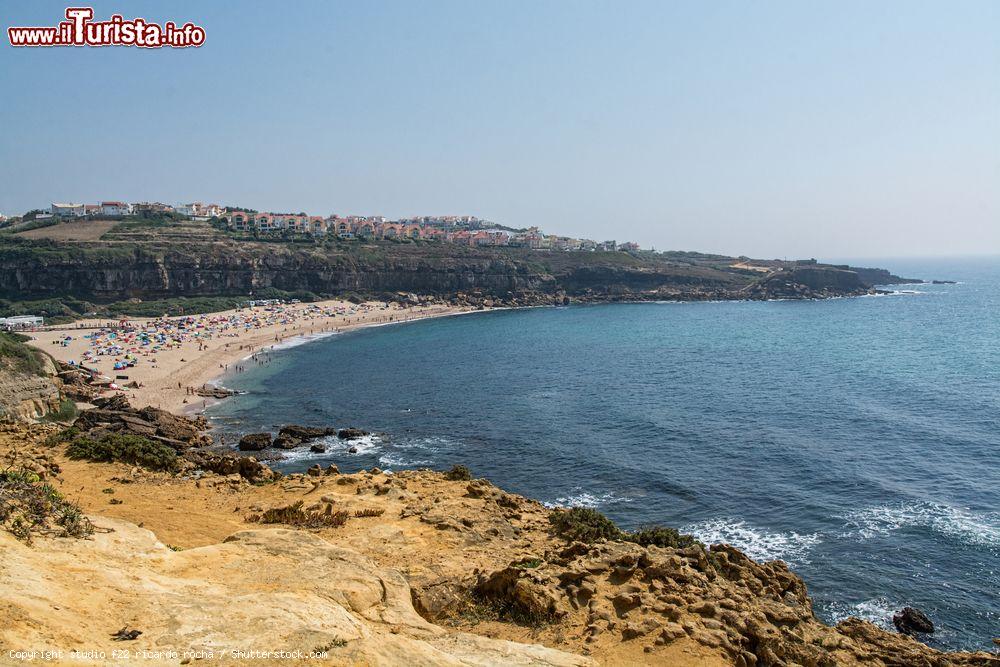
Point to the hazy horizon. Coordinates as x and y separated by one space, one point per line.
776 129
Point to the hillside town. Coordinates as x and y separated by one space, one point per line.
459 229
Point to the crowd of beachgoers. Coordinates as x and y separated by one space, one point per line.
128 342
161 360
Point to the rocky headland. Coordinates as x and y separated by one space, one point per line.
371 568
197 261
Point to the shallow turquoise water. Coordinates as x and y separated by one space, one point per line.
855 438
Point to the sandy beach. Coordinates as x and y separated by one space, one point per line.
169 357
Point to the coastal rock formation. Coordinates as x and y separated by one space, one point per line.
246 467
115 415
910 621
483 564
808 282
351 433
254 442
292 435
201 602
163 266
25 397
28 388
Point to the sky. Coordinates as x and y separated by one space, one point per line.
767 128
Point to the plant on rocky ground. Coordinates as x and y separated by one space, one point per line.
332 644
458 473
294 515
67 412
478 609
369 512
661 537
29 506
132 449
61 437
583 524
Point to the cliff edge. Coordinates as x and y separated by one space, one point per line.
417 567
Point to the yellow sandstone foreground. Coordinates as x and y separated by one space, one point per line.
423 572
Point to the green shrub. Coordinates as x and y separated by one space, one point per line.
584 524
67 412
132 449
29 506
588 525
61 437
661 537
18 357
458 473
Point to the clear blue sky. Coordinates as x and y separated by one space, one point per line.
773 129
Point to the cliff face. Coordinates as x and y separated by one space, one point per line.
110 272
25 397
809 282
27 388
148 273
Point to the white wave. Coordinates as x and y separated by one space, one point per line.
877 610
581 498
961 524
365 445
296 341
760 545
394 459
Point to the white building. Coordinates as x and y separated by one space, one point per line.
199 211
68 210
20 322
115 208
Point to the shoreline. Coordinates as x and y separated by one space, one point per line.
299 340
204 352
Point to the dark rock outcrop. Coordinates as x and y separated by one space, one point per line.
254 442
351 433
116 415
910 621
292 435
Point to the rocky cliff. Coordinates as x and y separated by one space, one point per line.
28 389
493 578
103 272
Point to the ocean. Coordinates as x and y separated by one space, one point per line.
857 439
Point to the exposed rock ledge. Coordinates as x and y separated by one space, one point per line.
475 561
262 590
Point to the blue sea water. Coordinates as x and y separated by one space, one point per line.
857 439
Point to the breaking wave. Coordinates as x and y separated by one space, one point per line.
760 545
959 524
580 498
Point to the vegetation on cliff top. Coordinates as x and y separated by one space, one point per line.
19 358
29 506
582 524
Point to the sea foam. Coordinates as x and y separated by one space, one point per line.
756 543
580 498
982 529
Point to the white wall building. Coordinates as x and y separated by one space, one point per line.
68 210
20 322
115 208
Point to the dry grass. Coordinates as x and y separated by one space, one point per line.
294 515
73 230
